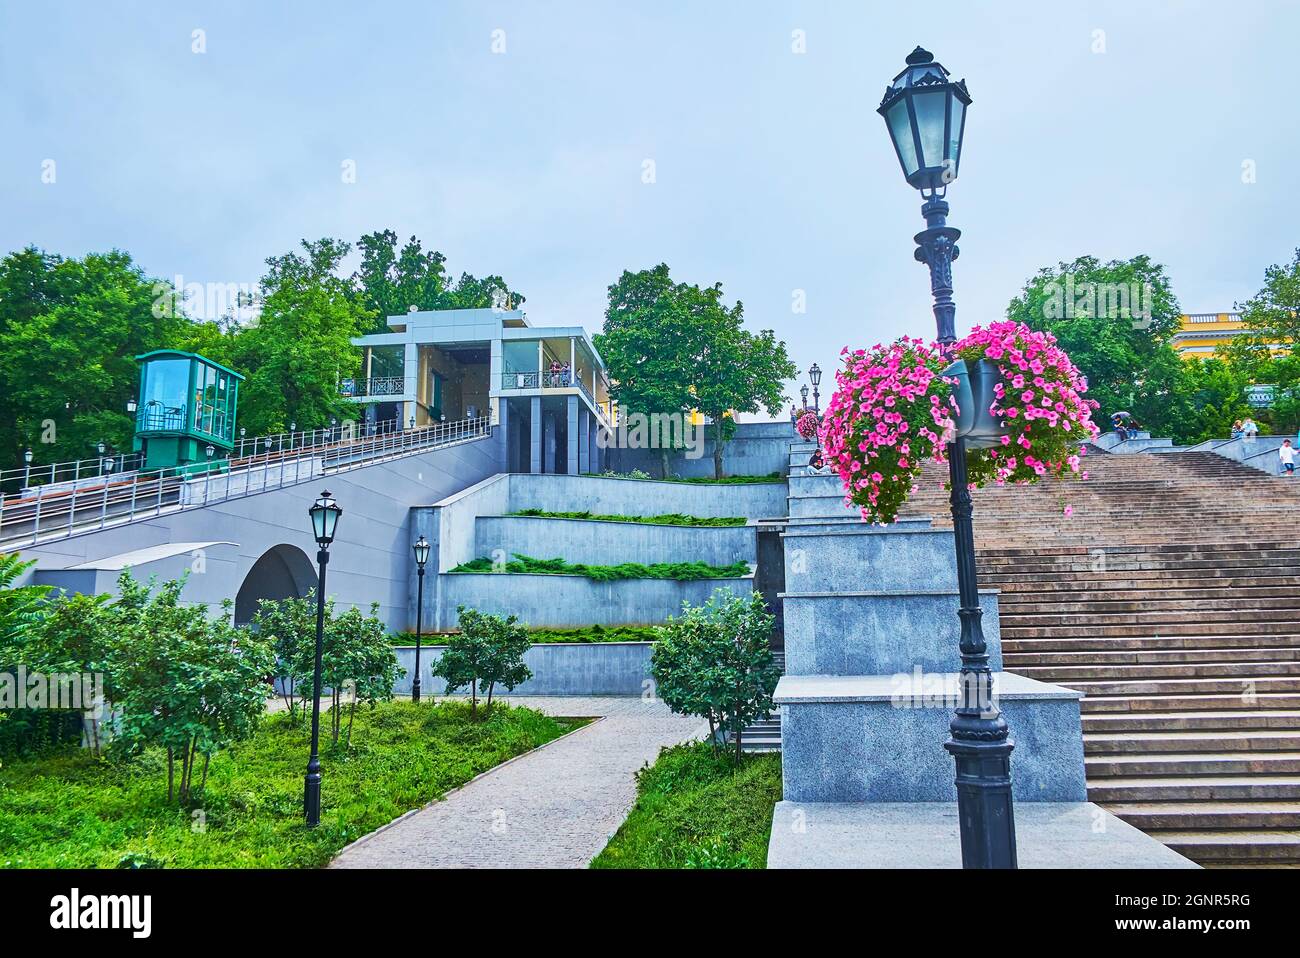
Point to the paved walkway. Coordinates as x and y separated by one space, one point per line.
555 807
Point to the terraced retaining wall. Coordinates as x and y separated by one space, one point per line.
567 668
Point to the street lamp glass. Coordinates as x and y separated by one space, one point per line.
803 392
925 113
815 374
421 549
325 514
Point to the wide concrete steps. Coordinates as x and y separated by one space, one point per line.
1128 722
1188 742
1190 764
1217 816
1214 669
1177 788
1238 846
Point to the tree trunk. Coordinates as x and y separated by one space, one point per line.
352 714
663 462
171 773
207 759
717 449
491 686
473 699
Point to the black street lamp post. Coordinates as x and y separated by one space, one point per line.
815 377
925 113
803 394
324 514
421 550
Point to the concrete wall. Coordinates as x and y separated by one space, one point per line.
609 543
565 601
640 497
756 449
369 561
577 668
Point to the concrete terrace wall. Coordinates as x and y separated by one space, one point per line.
756 449
577 668
609 543
646 497
369 561
565 601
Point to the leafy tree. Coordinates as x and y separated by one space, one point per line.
488 651
302 344
69 332
359 657
1273 314
716 661
674 347
1128 360
390 281
290 625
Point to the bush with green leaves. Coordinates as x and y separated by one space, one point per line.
181 681
487 652
21 607
679 571
715 660
357 657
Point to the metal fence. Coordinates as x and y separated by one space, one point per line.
58 508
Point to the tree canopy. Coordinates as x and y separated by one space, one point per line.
676 347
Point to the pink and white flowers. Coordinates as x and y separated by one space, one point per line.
892 411
807 425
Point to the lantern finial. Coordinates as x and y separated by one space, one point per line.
919 56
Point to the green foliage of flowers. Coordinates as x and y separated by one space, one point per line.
697 809
681 571
663 519
73 811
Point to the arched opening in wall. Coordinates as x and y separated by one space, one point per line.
283 572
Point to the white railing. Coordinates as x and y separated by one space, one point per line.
59 509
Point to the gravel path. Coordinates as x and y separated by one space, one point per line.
554 807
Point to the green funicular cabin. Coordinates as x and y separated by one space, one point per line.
185 415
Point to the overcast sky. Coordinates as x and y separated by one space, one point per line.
514 138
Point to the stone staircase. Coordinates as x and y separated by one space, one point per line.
1171 599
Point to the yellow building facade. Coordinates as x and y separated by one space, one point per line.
1200 334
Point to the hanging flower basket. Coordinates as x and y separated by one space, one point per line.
807 425
1012 393
975 391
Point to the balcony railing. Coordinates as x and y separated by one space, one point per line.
520 380
374 386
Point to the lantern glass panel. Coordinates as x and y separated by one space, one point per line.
900 130
930 108
956 113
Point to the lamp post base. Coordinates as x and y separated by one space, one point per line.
988 824
415 690
311 798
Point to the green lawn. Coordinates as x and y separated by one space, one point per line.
698 810
68 810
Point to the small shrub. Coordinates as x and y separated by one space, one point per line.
488 651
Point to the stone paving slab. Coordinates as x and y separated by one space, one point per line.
554 807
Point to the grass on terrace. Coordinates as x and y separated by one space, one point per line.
664 519
695 809
703 480
587 633
67 810
681 571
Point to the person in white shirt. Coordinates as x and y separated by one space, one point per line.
1286 453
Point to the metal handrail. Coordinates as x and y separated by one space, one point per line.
54 511
374 386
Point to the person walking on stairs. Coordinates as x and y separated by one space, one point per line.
1286 455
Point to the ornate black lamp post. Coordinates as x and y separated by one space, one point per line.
815 377
803 395
325 514
925 113
27 468
421 550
